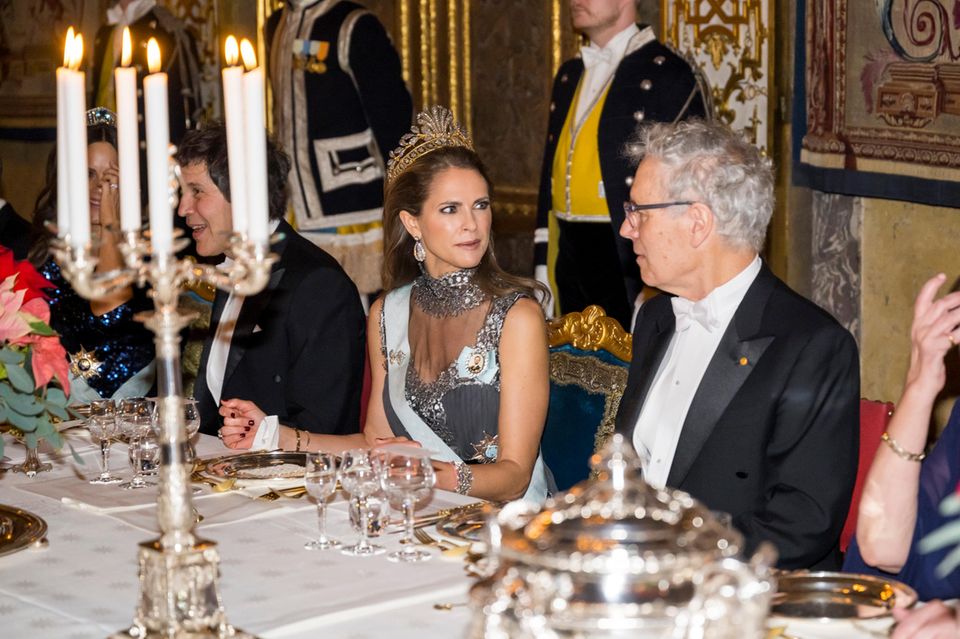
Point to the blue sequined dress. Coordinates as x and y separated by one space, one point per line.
111 355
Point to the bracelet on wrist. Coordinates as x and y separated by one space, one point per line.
464 477
297 431
900 451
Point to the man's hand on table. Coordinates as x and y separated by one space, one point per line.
935 620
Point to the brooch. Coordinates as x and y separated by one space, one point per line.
396 357
85 364
485 451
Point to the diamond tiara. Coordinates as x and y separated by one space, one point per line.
434 130
101 115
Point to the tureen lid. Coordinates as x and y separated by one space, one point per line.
617 523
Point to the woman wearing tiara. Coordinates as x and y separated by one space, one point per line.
458 347
111 355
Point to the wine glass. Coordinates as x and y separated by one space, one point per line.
407 478
102 425
360 476
191 422
321 482
135 421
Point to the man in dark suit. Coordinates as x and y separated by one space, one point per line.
740 392
623 77
296 349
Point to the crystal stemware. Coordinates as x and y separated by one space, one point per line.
321 482
135 421
103 426
407 479
360 477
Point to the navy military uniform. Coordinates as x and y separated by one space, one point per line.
594 265
341 106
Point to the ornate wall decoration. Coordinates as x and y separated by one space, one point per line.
730 41
877 106
837 220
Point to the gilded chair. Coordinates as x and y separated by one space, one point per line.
589 358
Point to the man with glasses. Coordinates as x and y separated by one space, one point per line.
741 392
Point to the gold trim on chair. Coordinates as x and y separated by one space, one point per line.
593 376
591 330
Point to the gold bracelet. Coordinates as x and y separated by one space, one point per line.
900 451
307 447
297 431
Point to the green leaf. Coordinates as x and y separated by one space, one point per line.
31 440
24 404
3 413
10 356
24 422
59 411
77 458
56 397
42 328
21 379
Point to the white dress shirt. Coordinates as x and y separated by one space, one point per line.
220 348
599 64
699 328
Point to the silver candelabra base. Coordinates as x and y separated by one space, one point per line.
179 572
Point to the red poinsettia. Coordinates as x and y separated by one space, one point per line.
28 279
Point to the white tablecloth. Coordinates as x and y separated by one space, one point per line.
84 584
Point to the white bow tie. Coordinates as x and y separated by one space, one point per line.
687 312
592 56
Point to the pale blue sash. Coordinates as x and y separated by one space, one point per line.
396 308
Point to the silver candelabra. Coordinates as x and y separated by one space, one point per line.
179 571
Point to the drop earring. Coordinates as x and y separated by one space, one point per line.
419 253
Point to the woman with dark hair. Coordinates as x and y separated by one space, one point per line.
111 355
458 347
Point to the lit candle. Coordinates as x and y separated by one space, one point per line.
256 145
233 115
158 154
128 137
75 121
63 199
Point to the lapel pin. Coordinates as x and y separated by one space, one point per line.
744 361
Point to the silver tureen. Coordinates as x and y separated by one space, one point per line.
614 557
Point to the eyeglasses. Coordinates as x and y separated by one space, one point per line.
631 209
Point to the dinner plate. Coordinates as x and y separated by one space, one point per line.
466 524
838 596
19 529
256 466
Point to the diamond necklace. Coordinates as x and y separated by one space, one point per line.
448 295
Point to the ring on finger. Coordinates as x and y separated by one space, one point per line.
953 342
114 187
220 434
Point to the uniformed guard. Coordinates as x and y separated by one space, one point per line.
623 78
340 106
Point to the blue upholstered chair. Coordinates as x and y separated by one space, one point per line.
589 357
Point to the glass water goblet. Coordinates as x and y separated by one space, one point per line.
135 421
360 477
191 422
103 426
321 482
407 479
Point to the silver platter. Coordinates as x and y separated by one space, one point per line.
19 529
252 466
836 595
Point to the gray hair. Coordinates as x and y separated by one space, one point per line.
709 163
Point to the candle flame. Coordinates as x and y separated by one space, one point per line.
126 49
68 47
76 53
153 55
249 57
231 51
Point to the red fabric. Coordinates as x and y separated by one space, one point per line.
365 391
874 417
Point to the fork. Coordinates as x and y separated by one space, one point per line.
424 538
270 496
